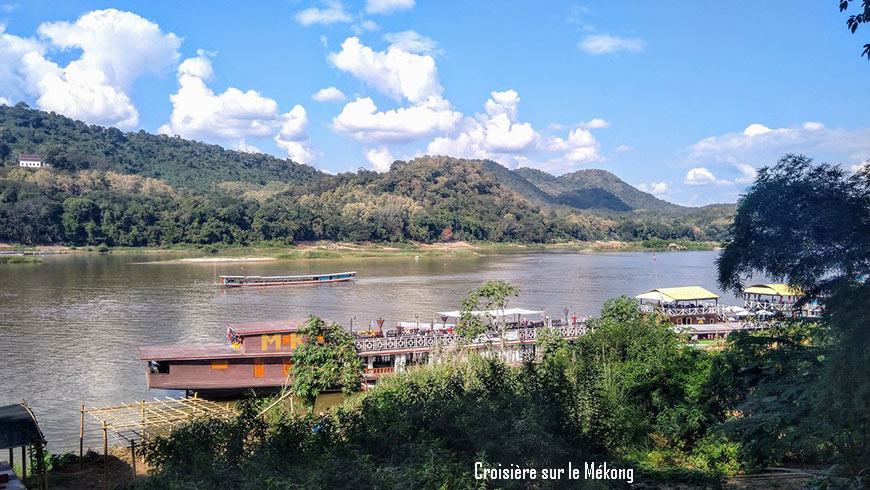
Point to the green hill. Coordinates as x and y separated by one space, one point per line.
73 145
596 189
138 189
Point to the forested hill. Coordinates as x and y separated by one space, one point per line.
137 189
596 189
73 145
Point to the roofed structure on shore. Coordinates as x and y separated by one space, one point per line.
772 290
18 427
678 294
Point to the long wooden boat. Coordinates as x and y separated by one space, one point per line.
248 281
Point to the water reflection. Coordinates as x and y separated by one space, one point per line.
70 327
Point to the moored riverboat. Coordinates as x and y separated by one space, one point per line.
253 281
259 355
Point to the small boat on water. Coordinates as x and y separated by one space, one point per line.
248 281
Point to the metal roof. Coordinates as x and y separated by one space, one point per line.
772 290
18 427
671 295
193 352
274 326
29 158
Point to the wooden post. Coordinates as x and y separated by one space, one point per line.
143 418
23 463
105 456
133 455
11 457
81 435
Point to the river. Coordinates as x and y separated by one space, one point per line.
70 326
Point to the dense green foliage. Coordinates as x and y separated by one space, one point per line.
624 389
326 360
808 388
137 189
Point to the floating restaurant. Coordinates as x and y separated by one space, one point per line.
683 305
779 299
259 355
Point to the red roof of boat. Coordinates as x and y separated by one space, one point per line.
274 326
197 351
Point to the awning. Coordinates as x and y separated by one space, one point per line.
504 312
18 427
671 295
771 290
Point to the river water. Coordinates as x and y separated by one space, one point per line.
70 326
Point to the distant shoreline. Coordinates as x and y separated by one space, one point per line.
339 250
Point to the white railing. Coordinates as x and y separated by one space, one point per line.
429 342
685 310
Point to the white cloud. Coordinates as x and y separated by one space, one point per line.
747 173
291 135
362 120
233 115
500 136
4 101
116 49
396 73
364 26
596 123
858 166
740 153
597 44
328 94
12 50
401 75
334 12
245 147
622 149
380 159
412 42
387 6
656 188
702 176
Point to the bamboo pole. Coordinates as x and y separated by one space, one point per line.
143 418
11 457
23 462
133 455
105 456
81 435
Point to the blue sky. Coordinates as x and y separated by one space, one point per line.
683 99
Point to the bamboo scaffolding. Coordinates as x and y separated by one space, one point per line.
127 421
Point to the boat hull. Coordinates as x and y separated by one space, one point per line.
263 281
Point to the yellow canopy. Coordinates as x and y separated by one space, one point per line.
771 290
685 293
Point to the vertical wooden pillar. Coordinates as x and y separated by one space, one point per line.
105 456
143 418
23 462
11 457
81 435
133 455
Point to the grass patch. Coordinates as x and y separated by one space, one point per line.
20 259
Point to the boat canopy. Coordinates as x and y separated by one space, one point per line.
672 295
504 312
772 290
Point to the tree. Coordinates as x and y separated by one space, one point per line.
493 295
857 19
809 225
804 223
326 360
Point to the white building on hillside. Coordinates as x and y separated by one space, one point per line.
32 161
